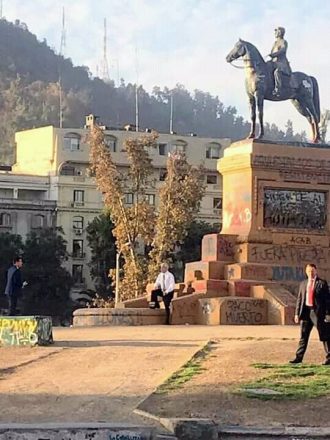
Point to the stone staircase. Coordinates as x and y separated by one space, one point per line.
226 291
222 288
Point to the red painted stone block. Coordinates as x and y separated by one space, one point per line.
210 286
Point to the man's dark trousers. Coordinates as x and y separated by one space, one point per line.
309 320
167 298
12 300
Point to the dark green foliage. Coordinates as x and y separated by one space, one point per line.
102 245
49 283
190 248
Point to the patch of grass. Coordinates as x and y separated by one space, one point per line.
187 371
291 382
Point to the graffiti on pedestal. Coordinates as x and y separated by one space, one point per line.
248 312
288 273
297 209
289 254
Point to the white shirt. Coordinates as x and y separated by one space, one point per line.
165 281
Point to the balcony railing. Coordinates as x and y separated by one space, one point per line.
78 255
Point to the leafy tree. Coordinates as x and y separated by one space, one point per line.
289 130
135 221
180 199
102 244
48 291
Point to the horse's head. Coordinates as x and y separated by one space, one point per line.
239 50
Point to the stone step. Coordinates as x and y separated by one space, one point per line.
125 316
242 287
265 272
214 287
281 303
204 270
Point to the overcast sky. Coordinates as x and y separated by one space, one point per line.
186 41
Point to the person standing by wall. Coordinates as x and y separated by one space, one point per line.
14 285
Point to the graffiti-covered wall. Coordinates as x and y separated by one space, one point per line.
25 330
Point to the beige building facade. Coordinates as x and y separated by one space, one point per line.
50 185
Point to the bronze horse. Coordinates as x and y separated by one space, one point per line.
259 81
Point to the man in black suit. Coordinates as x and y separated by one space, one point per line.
311 310
14 285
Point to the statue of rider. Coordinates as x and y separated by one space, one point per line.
279 60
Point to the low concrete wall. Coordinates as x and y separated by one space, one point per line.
125 316
25 330
81 431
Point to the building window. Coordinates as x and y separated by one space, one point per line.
213 151
78 248
217 203
78 222
162 149
5 219
111 143
211 179
179 147
79 196
129 199
72 141
150 198
77 273
162 175
38 221
67 170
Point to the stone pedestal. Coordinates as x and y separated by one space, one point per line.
275 200
275 220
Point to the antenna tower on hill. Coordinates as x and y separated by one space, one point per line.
61 53
105 65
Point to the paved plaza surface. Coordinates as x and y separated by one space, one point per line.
102 374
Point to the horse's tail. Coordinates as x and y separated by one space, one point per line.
316 98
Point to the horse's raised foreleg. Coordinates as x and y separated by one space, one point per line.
260 106
252 102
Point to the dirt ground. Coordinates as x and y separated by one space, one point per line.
211 395
102 374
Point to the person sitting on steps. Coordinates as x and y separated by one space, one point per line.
164 287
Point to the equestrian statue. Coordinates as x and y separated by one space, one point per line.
273 80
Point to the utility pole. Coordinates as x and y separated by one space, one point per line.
1 9
105 66
136 91
171 113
